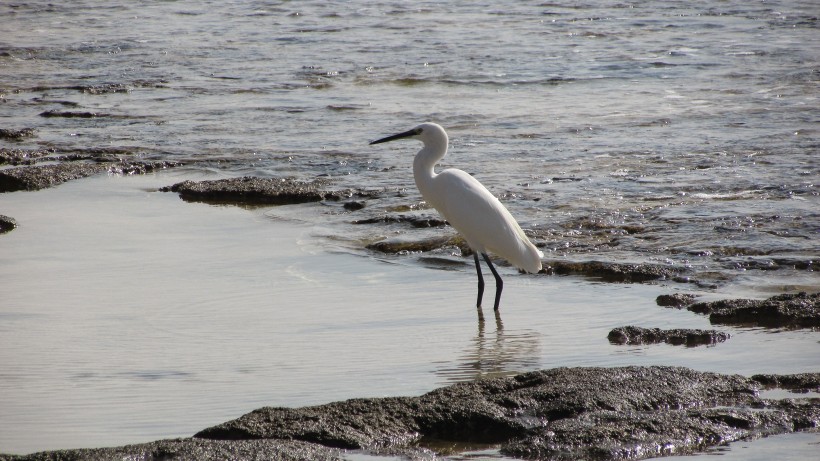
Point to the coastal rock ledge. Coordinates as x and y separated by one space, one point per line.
625 413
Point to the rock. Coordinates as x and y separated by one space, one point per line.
601 413
44 176
800 382
675 300
354 205
195 450
16 135
420 221
7 224
356 423
614 435
22 156
408 244
132 168
801 310
611 272
625 413
677 336
260 191
72 114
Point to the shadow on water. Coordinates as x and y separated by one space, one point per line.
504 353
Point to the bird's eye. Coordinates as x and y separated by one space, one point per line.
419 130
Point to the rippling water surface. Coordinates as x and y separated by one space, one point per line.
674 133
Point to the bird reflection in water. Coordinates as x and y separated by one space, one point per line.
488 355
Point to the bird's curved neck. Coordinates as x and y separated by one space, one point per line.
425 161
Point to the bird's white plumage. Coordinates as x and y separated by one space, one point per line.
480 218
467 205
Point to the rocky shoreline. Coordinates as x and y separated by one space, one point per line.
625 413
565 413
39 169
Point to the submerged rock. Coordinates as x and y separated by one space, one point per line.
72 114
405 244
354 205
16 135
420 221
678 336
261 191
610 271
801 310
625 413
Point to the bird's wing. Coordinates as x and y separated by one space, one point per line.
483 221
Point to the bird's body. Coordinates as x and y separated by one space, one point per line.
469 207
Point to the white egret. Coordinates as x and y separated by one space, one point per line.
469 207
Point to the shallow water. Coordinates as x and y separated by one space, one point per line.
663 132
131 315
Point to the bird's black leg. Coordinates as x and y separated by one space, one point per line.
480 280
499 284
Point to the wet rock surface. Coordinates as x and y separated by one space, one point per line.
44 176
565 413
194 450
29 175
22 156
800 310
72 114
250 190
420 221
632 335
799 382
7 224
16 135
403 244
675 300
611 271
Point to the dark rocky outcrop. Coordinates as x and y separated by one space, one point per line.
420 221
43 176
7 224
405 244
16 135
798 382
250 190
604 413
678 336
22 156
625 413
675 300
31 172
194 450
72 114
610 271
354 205
800 310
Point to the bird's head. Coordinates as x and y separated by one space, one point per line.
428 133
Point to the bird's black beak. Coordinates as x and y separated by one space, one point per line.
394 137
